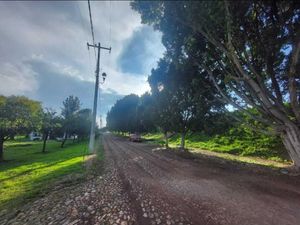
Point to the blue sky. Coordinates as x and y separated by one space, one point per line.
44 54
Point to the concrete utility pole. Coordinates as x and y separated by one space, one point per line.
93 127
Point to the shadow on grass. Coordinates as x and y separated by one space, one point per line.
6 161
39 156
20 145
41 185
36 168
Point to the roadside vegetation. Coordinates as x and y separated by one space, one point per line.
218 133
265 151
228 81
264 147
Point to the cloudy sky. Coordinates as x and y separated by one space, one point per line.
44 54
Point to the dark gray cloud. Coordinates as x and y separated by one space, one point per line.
54 86
141 47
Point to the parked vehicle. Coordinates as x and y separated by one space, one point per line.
135 137
35 136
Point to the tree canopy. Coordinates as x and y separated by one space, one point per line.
71 105
248 50
18 114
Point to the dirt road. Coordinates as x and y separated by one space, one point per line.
165 189
143 186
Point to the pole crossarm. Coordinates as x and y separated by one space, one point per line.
99 46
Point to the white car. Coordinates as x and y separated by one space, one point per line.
135 138
35 136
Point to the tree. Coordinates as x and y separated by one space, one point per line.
187 97
145 113
162 106
49 123
82 123
18 114
193 98
70 107
249 49
123 115
163 113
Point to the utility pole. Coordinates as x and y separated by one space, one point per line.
93 127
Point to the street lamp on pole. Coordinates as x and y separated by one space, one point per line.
104 75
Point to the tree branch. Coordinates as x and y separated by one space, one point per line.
292 78
228 100
266 132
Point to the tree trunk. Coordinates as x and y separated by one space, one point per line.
64 140
166 140
12 137
291 141
1 149
182 144
45 141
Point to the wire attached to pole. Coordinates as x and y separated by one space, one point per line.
110 21
92 27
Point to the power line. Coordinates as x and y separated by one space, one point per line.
91 22
80 15
84 30
87 35
110 21
92 27
85 150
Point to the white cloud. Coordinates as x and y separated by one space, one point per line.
17 79
56 33
125 83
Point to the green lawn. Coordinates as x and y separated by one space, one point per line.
27 172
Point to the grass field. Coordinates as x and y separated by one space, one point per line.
258 151
28 172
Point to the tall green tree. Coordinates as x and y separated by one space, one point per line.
18 115
49 122
123 115
163 112
162 106
82 123
190 96
250 50
71 106
145 113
